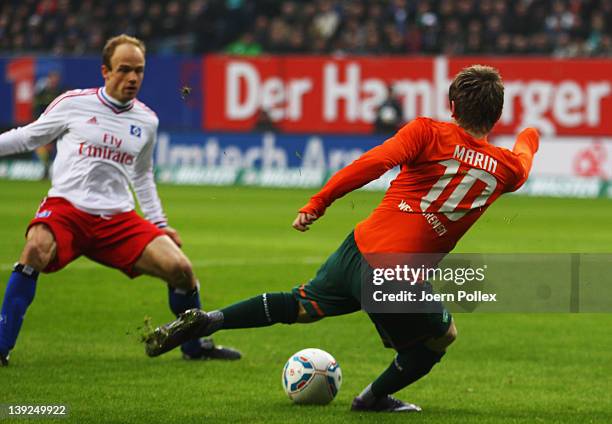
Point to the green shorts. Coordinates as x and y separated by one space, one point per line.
336 290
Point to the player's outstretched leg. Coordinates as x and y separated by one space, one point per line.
39 251
408 366
162 258
259 311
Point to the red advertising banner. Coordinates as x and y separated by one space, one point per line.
20 72
341 95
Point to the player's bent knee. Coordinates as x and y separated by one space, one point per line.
451 333
39 249
441 343
450 336
180 273
182 266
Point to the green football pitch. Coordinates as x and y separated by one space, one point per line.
80 347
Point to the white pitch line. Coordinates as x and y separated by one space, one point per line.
225 262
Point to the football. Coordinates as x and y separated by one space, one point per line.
312 376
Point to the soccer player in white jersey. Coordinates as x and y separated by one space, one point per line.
105 145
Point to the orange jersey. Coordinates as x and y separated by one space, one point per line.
447 180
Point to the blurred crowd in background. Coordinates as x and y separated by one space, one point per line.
562 28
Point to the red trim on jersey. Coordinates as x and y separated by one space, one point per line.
67 94
146 108
110 105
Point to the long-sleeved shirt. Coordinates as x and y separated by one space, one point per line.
447 180
103 147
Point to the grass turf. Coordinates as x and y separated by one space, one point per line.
79 344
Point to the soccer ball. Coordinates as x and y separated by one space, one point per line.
312 376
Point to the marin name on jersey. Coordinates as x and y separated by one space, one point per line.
475 159
110 150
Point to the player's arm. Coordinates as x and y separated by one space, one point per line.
525 147
143 183
48 127
403 147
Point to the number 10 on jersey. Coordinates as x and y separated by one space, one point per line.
449 207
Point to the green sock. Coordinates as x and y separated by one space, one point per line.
261 311
407 367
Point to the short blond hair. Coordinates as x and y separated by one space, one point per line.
112 44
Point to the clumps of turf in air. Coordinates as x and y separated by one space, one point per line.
146 329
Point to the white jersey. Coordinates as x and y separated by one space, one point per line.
103 147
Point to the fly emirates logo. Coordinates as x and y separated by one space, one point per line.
109 150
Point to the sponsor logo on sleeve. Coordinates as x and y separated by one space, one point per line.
43 214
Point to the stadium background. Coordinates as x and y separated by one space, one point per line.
315 77
279 95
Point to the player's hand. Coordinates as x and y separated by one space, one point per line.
528 137
529 132
303 221
174 235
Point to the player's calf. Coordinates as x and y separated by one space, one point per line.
17 298
259 311
39 251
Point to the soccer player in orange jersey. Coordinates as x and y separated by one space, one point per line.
449 175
